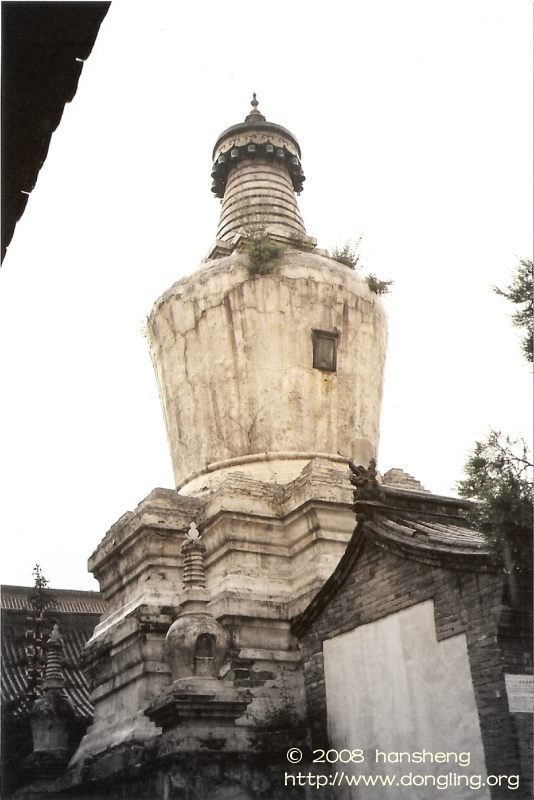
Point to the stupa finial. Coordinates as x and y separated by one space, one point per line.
193 554
255 115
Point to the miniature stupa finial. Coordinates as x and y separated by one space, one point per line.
193 554
255 115
54 678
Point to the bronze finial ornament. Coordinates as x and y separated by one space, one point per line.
255 115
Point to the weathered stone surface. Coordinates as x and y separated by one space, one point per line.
182 646
402 480
233 356
259 196
268 548
139 561
194 706
50 716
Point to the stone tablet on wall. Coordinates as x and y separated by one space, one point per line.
520 691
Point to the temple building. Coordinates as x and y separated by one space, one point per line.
245 615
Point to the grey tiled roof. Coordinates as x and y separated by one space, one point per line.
413 524
76 613
65 600
434 535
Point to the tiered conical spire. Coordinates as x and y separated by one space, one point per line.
256 172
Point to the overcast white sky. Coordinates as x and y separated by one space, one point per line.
415 124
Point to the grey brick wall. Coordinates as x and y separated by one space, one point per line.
465 601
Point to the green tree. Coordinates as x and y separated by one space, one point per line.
38 597
520 292
499 478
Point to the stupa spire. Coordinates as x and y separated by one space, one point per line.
257 172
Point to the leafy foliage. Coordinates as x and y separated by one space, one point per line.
499 476
377 286
38 597
262 253
349 254
520 292
260 250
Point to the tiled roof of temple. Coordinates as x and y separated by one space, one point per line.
77 613
66 600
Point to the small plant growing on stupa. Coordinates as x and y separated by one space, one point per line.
262 253
260 250
349 254
376 285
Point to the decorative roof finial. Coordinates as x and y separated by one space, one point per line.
255 115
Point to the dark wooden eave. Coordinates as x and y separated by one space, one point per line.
44 45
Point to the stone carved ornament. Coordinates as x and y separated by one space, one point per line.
365 482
